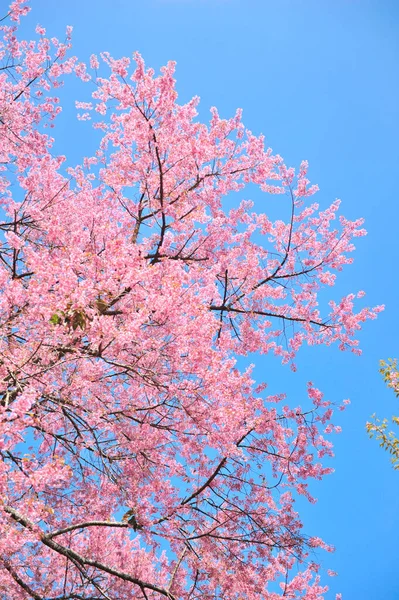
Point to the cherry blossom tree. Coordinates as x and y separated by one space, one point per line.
139 459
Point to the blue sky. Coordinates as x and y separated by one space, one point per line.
320 79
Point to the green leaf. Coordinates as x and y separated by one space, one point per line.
55 319
78 320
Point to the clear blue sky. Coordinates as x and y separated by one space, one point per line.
320 79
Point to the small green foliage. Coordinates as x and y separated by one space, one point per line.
71 318
78 319
56 319
379 429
